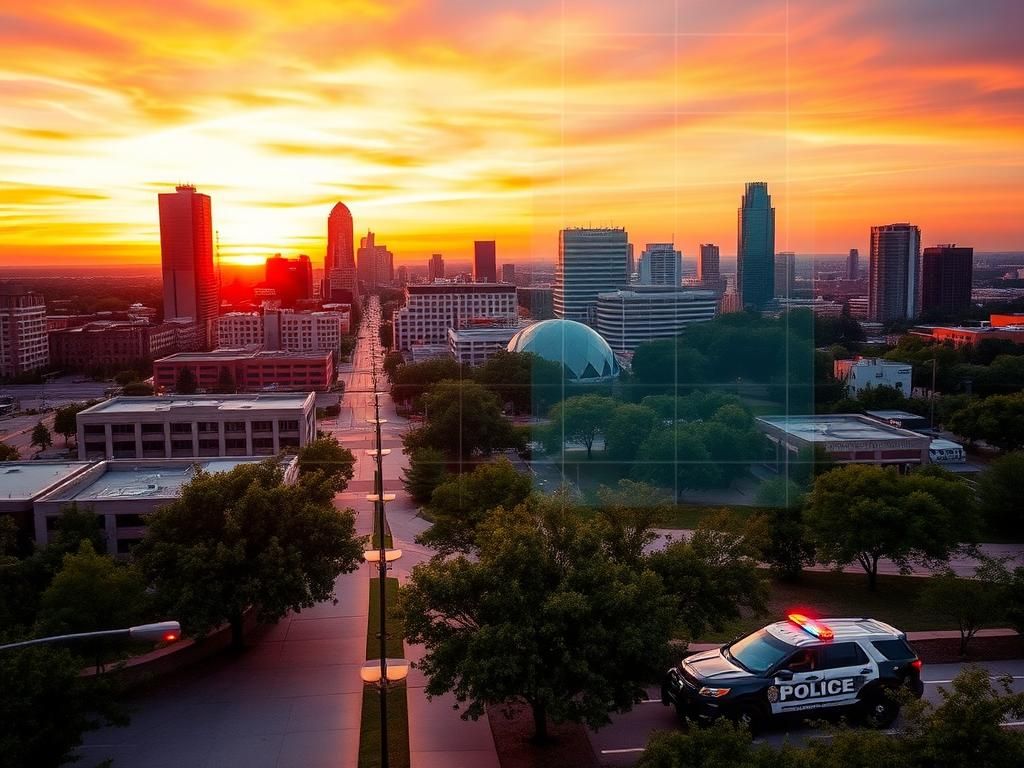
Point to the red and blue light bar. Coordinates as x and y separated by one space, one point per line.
812 627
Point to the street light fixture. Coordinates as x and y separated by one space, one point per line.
163 631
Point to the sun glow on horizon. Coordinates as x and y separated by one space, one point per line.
439 122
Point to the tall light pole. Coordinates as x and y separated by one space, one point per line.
395 670
164 631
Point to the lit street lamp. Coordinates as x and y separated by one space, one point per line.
163 631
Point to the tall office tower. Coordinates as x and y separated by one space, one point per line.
755 246
946 276
186 258
291 279
402 276
340 282
485 268
24 344
785 274
661 264
508 273
376 264
590 261
853 265
435 268
894 273
708 271
631 262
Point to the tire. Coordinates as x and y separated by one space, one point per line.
881 710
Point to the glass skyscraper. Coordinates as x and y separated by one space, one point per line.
755 247
894 273
590 261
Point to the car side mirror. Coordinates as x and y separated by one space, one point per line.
784 674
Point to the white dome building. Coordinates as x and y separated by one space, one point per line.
586 356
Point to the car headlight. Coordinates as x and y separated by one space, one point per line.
715 693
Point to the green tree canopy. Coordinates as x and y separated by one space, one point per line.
225 382
41 437
463 419
971 603
327 455
460 504
713 575
426 471
999 493
543 615
582 418
627 428
137 389
528 381
8 452
674 457
998 420
243 538
412 380
185 383
861 513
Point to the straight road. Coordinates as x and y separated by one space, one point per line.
621 743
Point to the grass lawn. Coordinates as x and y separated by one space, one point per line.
398 713
398 728
689 515
843 594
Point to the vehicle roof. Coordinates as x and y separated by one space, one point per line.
842 629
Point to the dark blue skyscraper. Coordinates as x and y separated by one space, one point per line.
755 247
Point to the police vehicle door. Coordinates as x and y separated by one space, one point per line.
800 689
845 669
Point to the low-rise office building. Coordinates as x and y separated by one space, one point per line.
282 330
188 426
848 439
112 344
430 310
250 370
123 493
629 317
23 482
475 346
865 372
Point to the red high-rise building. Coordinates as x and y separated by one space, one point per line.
340 283
186 258
485 268
291 279
946 275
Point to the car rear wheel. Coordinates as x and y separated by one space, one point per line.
881 710
751 717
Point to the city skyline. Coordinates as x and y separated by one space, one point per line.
840 110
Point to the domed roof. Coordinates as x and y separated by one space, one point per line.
586 356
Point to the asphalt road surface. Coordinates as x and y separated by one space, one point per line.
621 743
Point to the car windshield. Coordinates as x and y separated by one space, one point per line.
759 652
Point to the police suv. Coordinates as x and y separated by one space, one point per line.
794 666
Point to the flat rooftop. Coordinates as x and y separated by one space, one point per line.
144 481
901 415
227 355
154 404
25 480
823 428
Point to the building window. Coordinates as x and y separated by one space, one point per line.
234 426
181 428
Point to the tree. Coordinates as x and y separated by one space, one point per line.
999 493
626 430
971 603
243 538
46 706
426 471
124 378
137 389
392 362
463 419
185 383
630 511
543 615
713 576
387 334
998 420
723 744
861 513
225 382
527 381
582 418
41 437
673 457
412 380
327 455
91 593
8 452
460 504
65 421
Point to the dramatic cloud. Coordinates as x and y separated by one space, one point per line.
441 121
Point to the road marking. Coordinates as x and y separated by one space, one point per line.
651 701
990 677
622 751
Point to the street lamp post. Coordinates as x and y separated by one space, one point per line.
163 631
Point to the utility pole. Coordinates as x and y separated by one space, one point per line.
931 399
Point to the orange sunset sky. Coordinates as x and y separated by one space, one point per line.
441 121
